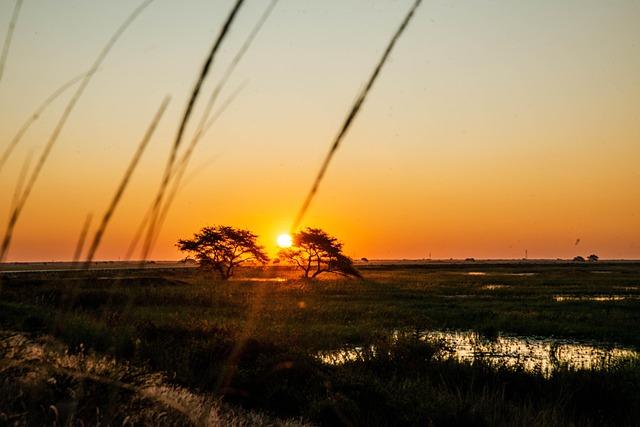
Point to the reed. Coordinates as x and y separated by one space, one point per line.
183 123
34 117
351 116
81 239
203 124
9 36
21 179
179 168
183 164
17 210
206 122
125 180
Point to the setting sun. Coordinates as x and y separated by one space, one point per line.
284 240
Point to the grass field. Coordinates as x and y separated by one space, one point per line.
256 341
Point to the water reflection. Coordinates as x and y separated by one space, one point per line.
529 353
493 287
598 298
483 273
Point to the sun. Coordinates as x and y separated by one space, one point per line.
284 240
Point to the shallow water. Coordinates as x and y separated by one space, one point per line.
541 354
597 298
259 279
493 287
482 273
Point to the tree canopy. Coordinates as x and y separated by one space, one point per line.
316 252
222 248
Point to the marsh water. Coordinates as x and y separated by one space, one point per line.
531 353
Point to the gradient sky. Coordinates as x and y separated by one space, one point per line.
497 126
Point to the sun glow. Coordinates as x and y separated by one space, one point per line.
284 240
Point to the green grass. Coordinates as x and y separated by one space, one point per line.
253 342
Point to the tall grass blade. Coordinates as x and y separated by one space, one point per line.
21 179
352 115
15 214
139 232
125 180
35 116
7 39
178 172
205 121
81 239
182 165
183 123
229 71
188 179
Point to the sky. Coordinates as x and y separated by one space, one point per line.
496 127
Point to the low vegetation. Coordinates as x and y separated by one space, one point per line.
253 340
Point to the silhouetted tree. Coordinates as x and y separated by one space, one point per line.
593 258
579 259
315 252
222 248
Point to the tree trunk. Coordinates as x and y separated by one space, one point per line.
229 272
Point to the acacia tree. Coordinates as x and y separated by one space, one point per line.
315 252
222 248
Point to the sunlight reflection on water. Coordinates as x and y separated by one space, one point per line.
598 298
529 353
483 273
493 287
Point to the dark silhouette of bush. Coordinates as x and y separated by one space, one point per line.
593 258
223 248
316 252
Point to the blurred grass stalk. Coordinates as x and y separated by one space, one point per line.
203 126
205 120
17 210
351 117
125 181
157 203
34 117
81 239
179 170
9 36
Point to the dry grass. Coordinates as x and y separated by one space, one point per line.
125 180
42 160
42 366
7 40
352 115
157 203
34 117
81 239
180 167
206 120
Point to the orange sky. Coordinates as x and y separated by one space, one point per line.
495 127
